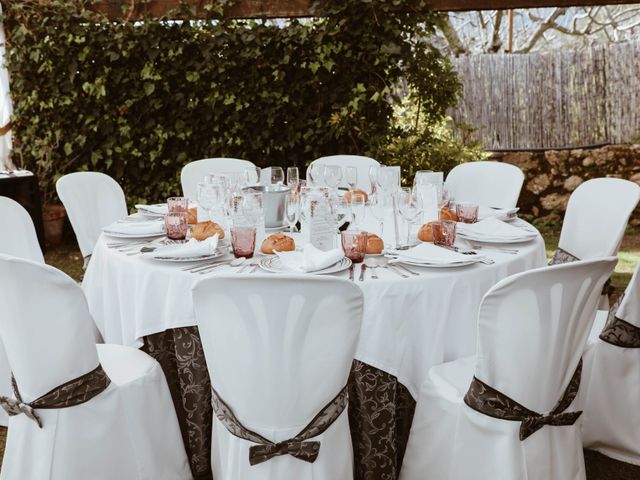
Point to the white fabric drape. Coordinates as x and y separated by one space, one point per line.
6 107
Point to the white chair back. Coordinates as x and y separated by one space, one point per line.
19 237
269 340
45 326
487 183
92 200
532 328
193 173
362 164
597 216
629 308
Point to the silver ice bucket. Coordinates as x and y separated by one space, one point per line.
273 200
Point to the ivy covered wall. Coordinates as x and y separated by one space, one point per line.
138 100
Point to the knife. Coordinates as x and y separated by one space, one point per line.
362 270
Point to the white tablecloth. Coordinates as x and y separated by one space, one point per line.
409 324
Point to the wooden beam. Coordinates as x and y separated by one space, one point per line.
301 8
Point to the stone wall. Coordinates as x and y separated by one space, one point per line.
552 175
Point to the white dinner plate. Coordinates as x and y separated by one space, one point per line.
222 250
149 214
273 264
133 236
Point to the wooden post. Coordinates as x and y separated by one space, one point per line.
510 42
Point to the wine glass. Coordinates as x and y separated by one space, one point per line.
332 176
379 204
253 207
409 207
292 209
210 196
388 179
373 177
357 208
277 176
351 176
251 176
293 178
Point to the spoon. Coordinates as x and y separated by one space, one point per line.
236 262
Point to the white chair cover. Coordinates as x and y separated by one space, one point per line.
532 328
362 164
278 349
19 240
93 200
610 396
128 431
491 184
193 173
596 217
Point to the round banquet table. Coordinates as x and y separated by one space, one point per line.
409 325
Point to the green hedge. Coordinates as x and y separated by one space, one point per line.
138 100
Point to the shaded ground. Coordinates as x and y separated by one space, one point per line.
67 258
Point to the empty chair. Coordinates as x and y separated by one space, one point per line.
610 395
596 218
362 165
92 200
18 239
193 173
113 418
490 184
509 412
279 350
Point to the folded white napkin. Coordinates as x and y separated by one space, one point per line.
499 213
428 253
310 259
159 209
193 248
149 227
492 228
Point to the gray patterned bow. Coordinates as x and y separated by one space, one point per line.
307 451
16 407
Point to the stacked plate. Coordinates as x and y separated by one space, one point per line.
433 256
190 251
153 211
504 214
137 229
492 230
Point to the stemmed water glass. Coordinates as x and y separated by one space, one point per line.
379 204
357 208
293 178
210 196
388 179
351 176
409 206
314 174
277 176
292 209
332 176
251 176
373 177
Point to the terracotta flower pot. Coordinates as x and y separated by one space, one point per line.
53 218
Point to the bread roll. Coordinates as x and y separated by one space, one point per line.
277 242
448 214
203 230
349 195
193 216
375 245
426 233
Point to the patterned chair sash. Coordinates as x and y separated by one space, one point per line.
489 401
69 394
619 332
562 256
297 446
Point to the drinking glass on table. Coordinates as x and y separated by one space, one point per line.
253 208
354 245
251 176
444 232
176 225
243 240
379 205
293 179
357 209
332 175
177 204
388 179
467 212
314 174
373 177
277 175
292 209
210 197
351 176
409 207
